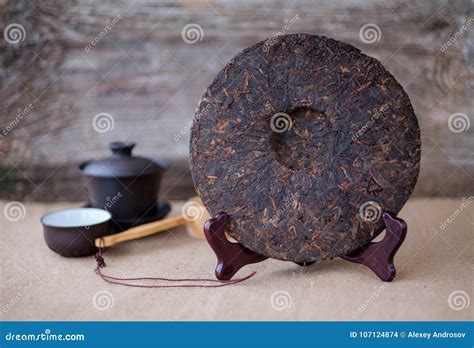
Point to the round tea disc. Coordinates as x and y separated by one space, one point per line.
305 142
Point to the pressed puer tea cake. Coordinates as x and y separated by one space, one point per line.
304 141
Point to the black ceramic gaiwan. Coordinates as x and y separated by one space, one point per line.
127 186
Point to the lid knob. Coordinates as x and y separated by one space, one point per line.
120 148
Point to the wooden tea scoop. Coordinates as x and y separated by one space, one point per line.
193 214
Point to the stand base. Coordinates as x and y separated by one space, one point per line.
230 256
377 256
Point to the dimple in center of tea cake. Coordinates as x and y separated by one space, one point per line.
307 140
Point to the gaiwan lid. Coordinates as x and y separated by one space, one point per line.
121 163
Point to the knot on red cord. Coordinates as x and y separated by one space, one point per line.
100 260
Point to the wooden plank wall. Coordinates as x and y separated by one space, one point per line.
143 74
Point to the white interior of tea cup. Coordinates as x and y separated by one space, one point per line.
76 217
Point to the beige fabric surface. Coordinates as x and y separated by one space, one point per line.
433 263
